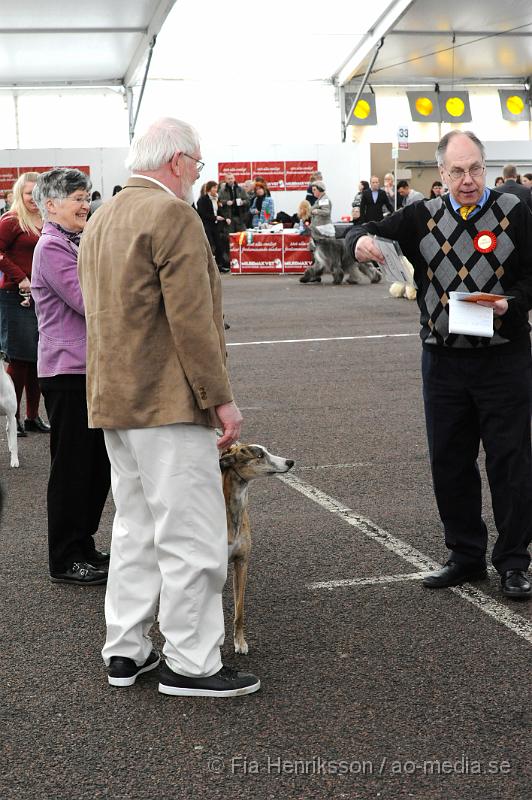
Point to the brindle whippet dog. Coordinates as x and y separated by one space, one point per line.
240 464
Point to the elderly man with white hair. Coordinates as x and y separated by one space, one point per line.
157 384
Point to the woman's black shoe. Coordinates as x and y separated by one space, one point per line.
80 574
99 559
20 429
37 425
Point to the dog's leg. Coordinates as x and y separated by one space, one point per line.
12 442
240 574
311 275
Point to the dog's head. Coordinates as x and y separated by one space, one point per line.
253 461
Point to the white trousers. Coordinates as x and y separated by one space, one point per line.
169 546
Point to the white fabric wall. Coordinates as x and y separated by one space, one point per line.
289 121
338 163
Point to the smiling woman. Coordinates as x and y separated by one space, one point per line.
64 199
79 471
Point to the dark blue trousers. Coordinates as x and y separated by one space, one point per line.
471 398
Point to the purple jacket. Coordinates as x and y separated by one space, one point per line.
59 306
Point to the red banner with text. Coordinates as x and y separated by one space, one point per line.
297 174
296 254
289 176
8 175
270 171
240 169
259 253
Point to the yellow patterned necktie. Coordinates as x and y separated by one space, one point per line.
465 211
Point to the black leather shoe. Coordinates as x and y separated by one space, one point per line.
21 433
514 583
124 672
80 574
37 425
99 559
453 574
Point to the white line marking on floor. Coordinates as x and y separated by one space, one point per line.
325 339
405 576
366 526
514 622
334 466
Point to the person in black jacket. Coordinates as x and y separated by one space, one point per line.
214 223
510 184
373 201
476 388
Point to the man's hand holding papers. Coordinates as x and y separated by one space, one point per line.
387 253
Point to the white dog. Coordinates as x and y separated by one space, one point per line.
8 408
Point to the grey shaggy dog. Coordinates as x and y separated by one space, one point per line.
332 256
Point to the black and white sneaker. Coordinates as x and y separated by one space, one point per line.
227 682
80 574
124 672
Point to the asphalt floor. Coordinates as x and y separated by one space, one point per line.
372 686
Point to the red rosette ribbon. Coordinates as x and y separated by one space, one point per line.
485 242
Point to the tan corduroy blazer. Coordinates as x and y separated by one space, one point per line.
152 294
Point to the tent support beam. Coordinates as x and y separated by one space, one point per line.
361 87
132 124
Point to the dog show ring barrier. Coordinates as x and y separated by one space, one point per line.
260 252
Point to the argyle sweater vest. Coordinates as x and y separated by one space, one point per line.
441 247
454 264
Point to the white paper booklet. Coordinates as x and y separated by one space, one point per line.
469 318
394 269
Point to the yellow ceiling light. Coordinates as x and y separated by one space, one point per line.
515 105
424 106
362 109
365 111
454 107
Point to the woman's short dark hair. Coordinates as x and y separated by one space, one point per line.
365 185
116 189
209 185
96 196
58 184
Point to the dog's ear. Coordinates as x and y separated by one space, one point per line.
227 460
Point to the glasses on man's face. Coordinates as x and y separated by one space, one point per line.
199 164
458 174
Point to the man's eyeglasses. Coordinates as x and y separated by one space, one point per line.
199 164
458 174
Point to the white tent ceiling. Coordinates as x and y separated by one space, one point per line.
430 41
237 43
58 43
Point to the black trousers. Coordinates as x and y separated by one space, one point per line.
80 474
472 398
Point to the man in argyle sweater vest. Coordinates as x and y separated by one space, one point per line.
475 389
